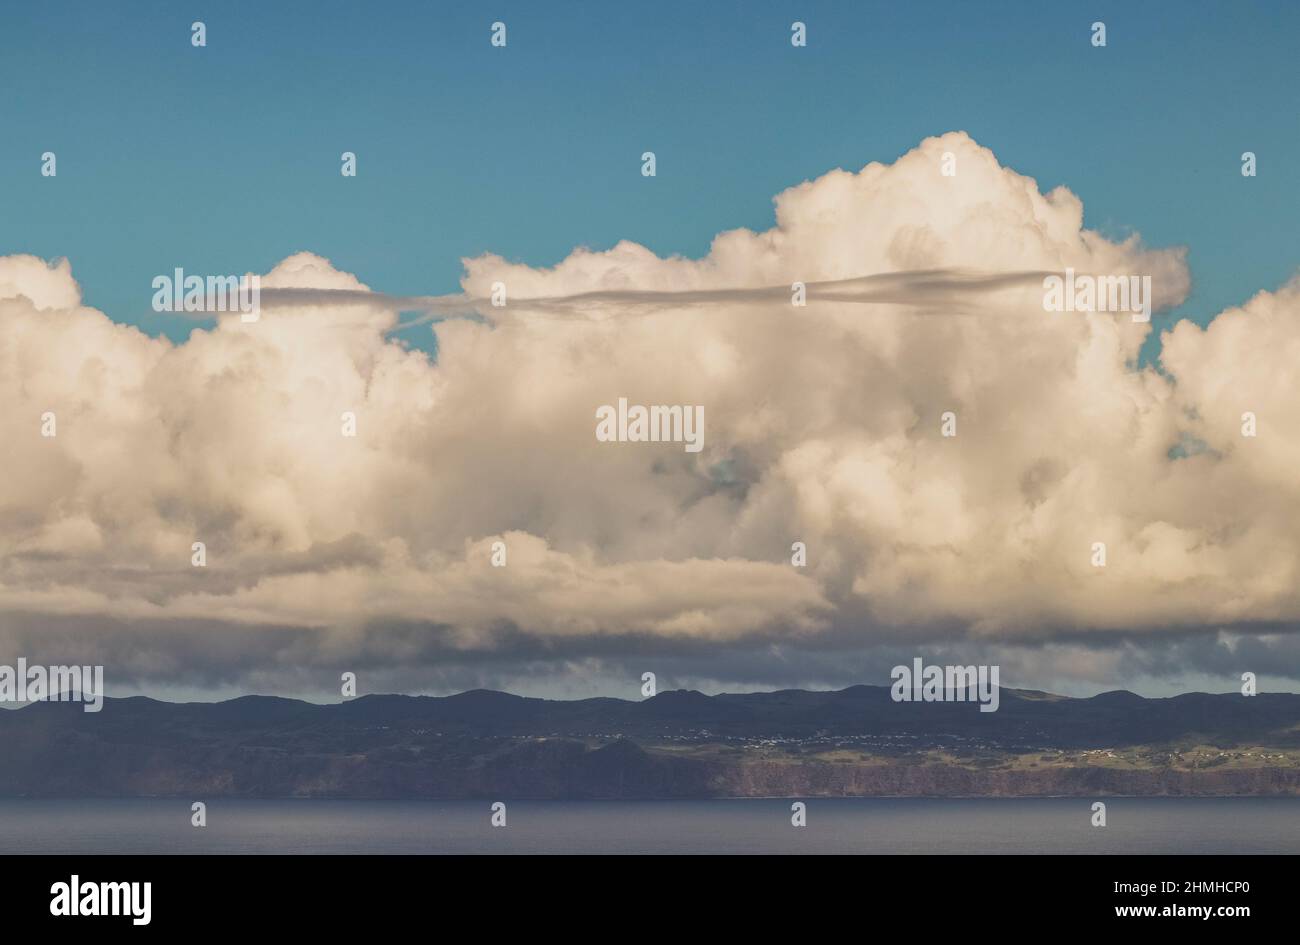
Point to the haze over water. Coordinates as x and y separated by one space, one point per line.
835 825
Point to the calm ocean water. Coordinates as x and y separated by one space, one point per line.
841 825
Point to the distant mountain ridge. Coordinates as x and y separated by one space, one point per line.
679 743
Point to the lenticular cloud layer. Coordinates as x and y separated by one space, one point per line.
823 427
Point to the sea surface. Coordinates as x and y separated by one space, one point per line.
838 825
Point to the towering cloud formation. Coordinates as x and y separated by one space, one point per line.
823 426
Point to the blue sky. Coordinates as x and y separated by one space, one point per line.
226 159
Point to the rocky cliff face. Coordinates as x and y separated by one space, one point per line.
564 769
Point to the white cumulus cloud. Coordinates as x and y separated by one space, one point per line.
823 426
